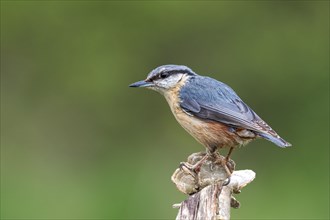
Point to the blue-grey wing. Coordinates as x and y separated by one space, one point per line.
210 99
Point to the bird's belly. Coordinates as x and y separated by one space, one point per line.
209 133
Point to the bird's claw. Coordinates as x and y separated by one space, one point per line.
226 182
187 168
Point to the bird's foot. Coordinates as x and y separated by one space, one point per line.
187 168
201 170
195 168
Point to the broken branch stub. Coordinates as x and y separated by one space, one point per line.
209 198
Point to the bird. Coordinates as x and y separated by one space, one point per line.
209 110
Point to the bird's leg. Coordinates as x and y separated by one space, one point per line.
225 163
229 168
229 153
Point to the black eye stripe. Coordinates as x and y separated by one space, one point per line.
161 75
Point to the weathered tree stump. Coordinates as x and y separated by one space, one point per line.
209 190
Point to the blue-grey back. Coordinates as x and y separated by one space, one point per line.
210 99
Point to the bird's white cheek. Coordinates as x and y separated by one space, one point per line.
171 81
165 84
157 89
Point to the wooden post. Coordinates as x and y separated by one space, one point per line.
210 193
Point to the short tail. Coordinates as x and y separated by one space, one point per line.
276 140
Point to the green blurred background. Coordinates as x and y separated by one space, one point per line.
76 142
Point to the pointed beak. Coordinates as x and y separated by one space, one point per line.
141 83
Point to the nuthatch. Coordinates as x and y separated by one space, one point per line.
209 110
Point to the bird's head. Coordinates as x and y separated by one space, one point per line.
164 78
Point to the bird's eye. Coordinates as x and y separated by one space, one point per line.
163 75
